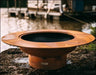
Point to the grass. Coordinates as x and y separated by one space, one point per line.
91 46
93 32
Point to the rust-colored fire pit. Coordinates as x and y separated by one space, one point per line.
47 49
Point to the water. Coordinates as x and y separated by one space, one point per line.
12 24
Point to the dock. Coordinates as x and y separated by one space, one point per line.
54 8
16 11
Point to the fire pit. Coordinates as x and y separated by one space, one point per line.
47 49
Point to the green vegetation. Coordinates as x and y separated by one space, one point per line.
91 46
93 32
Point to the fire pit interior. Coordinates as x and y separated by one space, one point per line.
47 37
47 49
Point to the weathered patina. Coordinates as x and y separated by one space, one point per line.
47 55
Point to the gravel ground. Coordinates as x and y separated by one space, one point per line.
83 62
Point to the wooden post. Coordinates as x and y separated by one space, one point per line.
8 7
19 12
20 4
16 7
7 4
37 5
15 3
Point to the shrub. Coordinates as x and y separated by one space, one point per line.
93 32
91 46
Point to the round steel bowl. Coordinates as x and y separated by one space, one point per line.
47 49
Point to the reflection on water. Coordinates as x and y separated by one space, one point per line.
12 24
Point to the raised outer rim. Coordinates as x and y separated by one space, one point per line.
80 38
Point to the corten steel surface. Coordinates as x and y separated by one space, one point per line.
48 53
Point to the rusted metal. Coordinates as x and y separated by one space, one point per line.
48 55
47 63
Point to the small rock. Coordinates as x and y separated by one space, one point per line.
69 62
14 67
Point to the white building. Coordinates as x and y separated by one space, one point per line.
45 6
44 3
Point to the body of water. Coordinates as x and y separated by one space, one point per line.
14 24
